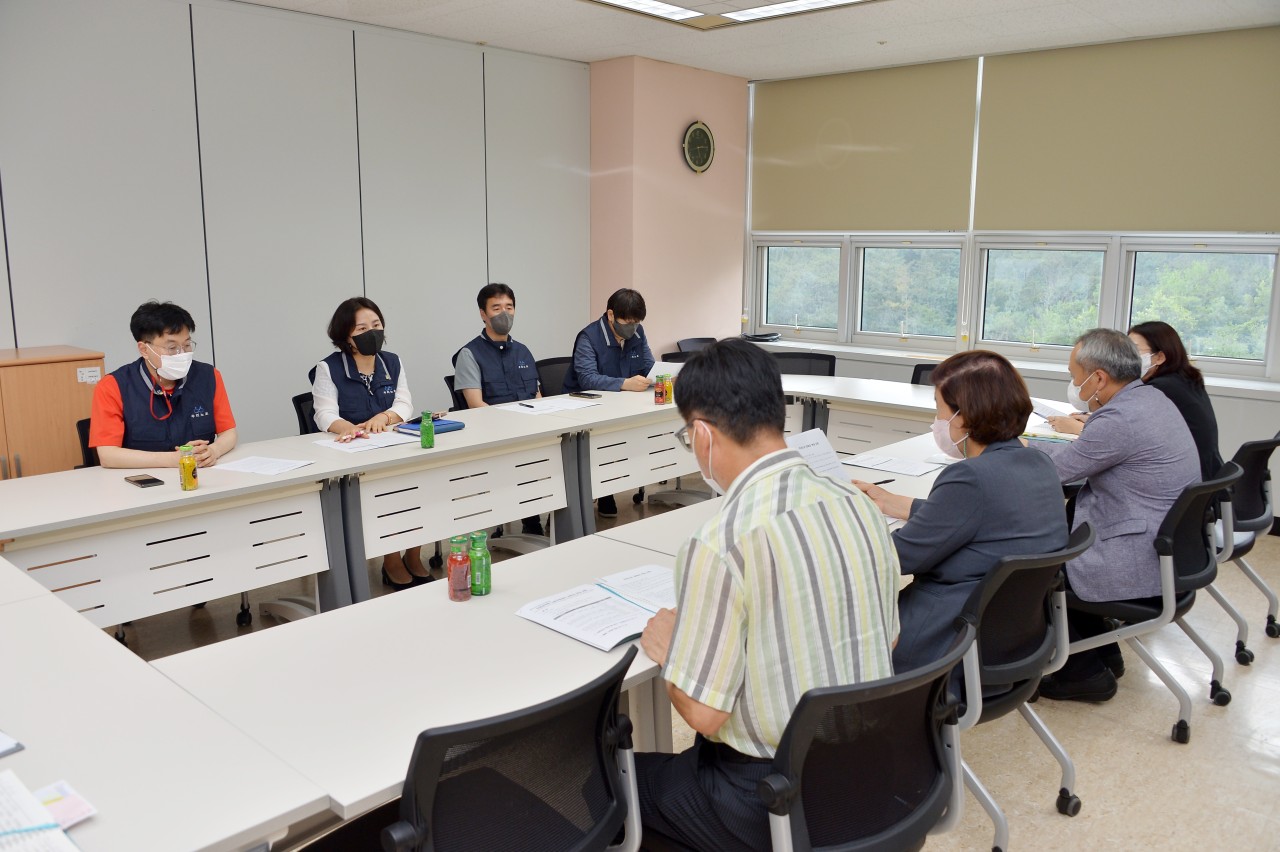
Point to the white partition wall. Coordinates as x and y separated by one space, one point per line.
99 162
278 145
421 115
538 147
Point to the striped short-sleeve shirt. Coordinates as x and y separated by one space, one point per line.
792 586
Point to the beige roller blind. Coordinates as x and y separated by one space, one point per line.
1163 134
872 150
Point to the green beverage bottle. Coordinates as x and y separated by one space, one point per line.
428 431
481 564
458 568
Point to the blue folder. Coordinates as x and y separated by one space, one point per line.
414 426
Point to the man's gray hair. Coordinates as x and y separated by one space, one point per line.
1110 351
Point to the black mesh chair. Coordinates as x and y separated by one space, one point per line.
675 357
922 374
1188 562
459 401
556 776
88 455
304 407
1250 512
1018 611
871 767
551 374
693 344
805 363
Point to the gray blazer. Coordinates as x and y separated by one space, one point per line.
1137 456
1007 501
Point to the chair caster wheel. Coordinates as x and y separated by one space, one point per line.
637 498
435 562
1272 628
1068 805
1244 656
1220 696
1181 732
244 617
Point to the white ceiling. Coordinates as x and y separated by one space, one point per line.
868 35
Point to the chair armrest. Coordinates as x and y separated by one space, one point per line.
777 792
399 837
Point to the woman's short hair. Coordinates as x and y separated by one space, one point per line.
987 392
344 320
1162 337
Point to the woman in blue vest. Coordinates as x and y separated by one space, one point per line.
361 390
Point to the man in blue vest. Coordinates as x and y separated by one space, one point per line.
612 354
148 408
494 367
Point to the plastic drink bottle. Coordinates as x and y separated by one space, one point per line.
187 476
481 564
458 569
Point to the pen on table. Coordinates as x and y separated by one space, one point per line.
882 482
527 405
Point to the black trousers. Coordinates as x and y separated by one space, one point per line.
704 799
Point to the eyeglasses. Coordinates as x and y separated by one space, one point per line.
175 349
682 434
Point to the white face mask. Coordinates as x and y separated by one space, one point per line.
941 430
706 474
174 367
1146 362
1073 396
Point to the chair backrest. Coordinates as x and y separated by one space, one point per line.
866 767
551 374
88 454
304 407
1251 498
693 344
805 363
543 778
1011 610
1186 533
922 374
676 357
459 401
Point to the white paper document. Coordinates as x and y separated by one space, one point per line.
263 465
548 405
818 452
64 804
1046 408
375 441
25 826
905 467
607 613
664 368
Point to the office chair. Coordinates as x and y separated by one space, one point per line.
805 363
88 455
556 776
1188 561
551 373
459 401
675 357
922 374
693 344
1252 514
305 409
1019 613
905 727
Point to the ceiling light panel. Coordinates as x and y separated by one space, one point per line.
655 8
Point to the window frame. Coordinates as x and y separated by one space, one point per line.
917 342
758 311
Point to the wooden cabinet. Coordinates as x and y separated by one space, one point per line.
43 392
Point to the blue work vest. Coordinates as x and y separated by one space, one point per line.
507 370
356 403
144 402
620 362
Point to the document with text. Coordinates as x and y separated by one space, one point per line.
604 614
818 452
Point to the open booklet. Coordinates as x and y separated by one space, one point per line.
608 612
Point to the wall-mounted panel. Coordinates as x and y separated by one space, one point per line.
278 142
538 164
421 114
99 161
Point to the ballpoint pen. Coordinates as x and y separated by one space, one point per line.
882 482
527 405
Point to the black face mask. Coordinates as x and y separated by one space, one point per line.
369 342
625 330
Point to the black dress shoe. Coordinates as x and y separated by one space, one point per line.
607 507
421 581
387 581
1099 687
1115 662
532 526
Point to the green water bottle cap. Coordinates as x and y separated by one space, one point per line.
186 448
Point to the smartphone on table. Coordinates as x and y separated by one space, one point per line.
143 480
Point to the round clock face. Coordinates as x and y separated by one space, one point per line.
699 147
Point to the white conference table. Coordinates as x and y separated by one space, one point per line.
16 585
665 533
365 680
164 771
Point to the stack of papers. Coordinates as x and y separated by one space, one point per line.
613 610
906 467
664 368
25 825
548 405
375 441
1038 426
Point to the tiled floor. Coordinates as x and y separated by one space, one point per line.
1139 789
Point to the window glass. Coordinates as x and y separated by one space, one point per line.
1041 295
1218 302
911 291
802 286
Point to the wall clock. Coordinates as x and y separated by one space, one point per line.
699 147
